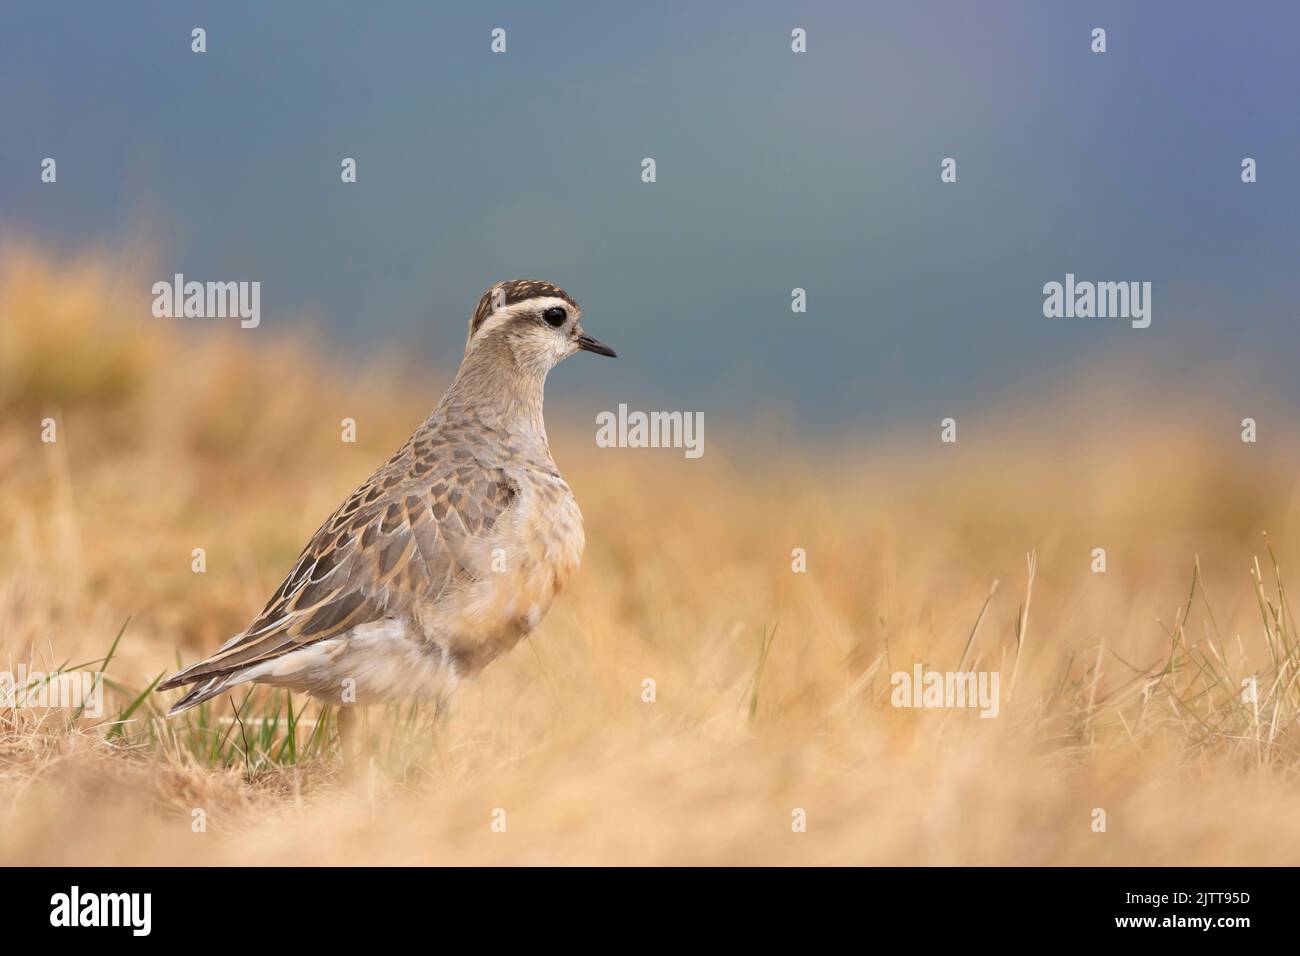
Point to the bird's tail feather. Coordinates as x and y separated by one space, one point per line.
205 690
208 680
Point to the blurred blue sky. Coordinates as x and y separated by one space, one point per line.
775 170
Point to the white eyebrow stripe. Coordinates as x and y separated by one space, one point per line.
501 316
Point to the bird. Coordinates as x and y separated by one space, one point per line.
448 555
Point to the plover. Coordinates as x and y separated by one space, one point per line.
449 553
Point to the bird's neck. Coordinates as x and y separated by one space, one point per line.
494 388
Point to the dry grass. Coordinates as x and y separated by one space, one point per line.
1126 686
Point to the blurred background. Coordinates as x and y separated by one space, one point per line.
1121 688
775 171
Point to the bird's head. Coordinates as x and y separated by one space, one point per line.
533 323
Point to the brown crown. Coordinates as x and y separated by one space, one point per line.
516 290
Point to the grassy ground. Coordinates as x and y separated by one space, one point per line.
1120 691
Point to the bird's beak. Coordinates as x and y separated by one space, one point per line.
588 344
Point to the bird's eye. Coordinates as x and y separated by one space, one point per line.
555 316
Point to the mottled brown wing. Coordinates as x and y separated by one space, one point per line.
403 539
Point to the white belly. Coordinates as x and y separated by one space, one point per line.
369 664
